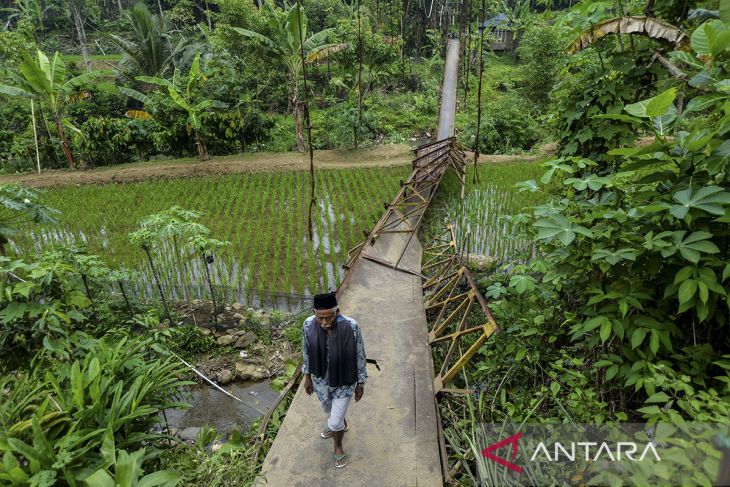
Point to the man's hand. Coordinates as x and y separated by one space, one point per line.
308 386
358 392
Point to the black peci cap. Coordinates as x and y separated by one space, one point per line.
325 301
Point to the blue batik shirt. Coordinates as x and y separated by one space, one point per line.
321 384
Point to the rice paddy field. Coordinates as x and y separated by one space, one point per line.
264 216
485 206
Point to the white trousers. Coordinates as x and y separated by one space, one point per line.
336 408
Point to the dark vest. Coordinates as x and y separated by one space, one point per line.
342 353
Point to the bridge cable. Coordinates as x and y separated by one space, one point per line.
479 89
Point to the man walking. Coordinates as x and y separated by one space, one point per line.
334 365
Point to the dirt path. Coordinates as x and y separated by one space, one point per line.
378 156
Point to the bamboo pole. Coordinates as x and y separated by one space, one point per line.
35 136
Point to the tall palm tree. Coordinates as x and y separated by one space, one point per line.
45 80
148 52
286 47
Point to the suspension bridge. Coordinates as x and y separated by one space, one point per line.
394 436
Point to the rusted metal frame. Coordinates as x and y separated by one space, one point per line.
385 263
447 301
403 217
456 391
414 186
482 302
439 249
452 347
432 164
433 171
420 154
440 262
430 144
466 303
449 375
432 159
416 226
432 282
456 334
355 248
372 235
443 455
428 160
438 276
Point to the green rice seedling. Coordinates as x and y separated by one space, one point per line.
269 248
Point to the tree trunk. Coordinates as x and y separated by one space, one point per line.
156 278
64 142
200 143
80 33
126 299
212 291
298 123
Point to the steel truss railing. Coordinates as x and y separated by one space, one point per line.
450 293
405 213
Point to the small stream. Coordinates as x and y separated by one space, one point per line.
210 406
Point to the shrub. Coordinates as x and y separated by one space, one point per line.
541 54
507 126
61 421
105 141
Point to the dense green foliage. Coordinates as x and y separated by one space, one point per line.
620 312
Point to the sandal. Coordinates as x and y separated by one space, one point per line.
339 459
327 433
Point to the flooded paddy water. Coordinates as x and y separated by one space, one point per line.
210 406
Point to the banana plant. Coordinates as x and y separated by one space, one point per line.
127 470
287 45
184 93
45 80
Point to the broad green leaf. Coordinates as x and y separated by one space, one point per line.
259 37
100 478
638 109
659 105
178 99
558 225
14 91
709 198
637 337
529 185
654 342
687 290
657 397
605 331
522 283
161 478
725 11
703 102
612 371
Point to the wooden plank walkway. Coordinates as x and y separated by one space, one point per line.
392 438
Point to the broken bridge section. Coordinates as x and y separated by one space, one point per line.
393 435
